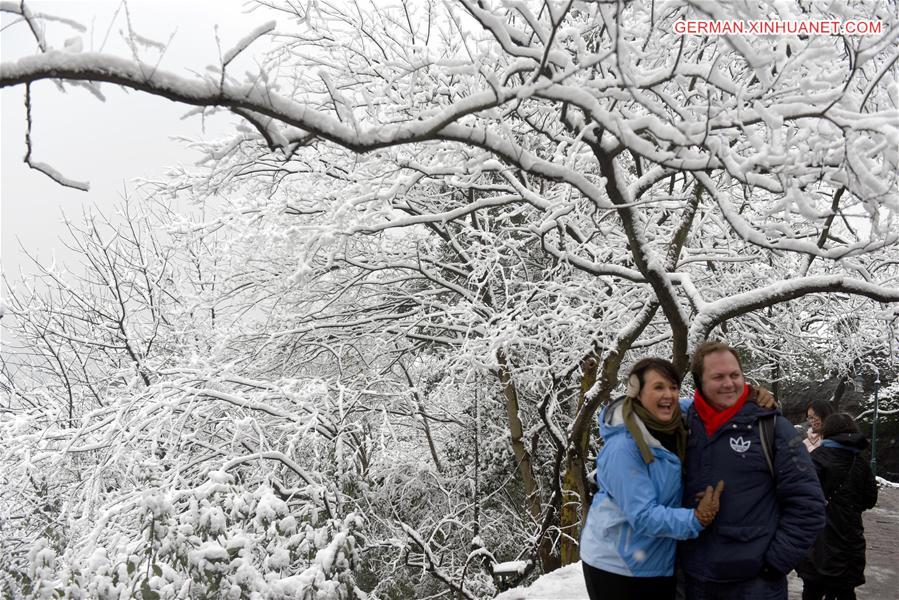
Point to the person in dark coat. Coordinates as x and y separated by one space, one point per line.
835 565
769 517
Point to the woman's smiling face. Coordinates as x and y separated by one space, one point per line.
659 395
814 421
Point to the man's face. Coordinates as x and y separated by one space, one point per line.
722 379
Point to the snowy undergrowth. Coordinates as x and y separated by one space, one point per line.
145 500
219 540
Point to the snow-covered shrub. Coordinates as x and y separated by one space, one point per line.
144 499
219 540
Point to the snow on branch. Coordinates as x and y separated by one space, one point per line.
255 406
287 462
432 563
41 166
208 92
271 455
441 125
57 176
712 314
742 228
245 42
870 411
28 17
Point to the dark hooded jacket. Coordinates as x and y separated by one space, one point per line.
850 489
764 521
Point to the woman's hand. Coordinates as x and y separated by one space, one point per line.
709 505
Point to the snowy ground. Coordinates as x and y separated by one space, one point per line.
882 571
566 583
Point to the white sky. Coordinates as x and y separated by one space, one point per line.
108 144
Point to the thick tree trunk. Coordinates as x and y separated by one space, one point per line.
523 460
574 478
604 374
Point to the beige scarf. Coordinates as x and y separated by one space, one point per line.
632 410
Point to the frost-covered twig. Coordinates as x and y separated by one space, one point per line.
44 167
432 563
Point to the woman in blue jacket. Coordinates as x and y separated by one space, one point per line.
628 540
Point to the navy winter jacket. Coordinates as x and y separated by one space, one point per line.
762 520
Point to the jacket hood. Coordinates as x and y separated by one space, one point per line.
853 440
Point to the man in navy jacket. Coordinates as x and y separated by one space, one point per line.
766 523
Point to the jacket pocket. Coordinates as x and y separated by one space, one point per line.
739 553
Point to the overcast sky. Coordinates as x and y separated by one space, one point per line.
107 144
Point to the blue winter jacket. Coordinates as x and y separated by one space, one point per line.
762 520
635 517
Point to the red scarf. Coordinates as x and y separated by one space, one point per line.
713 418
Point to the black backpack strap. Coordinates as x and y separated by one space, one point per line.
766 432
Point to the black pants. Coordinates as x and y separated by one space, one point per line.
813 590
748 589
602 585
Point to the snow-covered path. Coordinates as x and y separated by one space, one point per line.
882 533
566 583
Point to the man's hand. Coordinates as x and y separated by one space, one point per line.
709 505
763 398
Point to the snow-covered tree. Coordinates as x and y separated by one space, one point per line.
461 212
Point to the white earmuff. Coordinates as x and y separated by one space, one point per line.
633 386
